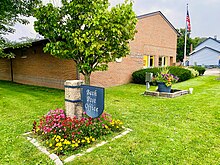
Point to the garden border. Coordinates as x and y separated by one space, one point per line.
176 93
56 158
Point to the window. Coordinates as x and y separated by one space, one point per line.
148 61
160 61
163 61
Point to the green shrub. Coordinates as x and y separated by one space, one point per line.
194 73
138 77
182 73
200 69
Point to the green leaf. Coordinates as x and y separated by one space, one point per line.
104 37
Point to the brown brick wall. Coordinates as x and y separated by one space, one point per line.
154 37
5 69
32 66
118 73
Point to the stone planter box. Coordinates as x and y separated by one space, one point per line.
172 94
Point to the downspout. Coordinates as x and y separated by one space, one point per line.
12 74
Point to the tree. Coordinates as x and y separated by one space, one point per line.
87 31
197 40
181 41
12 12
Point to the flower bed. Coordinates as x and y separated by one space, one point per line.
64 134
165 77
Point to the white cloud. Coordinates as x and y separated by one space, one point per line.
204 15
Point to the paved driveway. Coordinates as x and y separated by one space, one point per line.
214 71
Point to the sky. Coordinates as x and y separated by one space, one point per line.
204 16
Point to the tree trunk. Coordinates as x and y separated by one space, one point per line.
87 79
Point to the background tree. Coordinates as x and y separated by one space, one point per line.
181 41
12 12
87 31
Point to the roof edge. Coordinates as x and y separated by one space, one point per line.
206 47
160 13
208 39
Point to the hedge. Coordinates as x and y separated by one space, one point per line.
138 77
182 73
200 69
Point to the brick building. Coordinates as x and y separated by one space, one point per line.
154 45
33 66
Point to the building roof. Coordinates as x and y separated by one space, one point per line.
161 14
208 39
33 43
206 47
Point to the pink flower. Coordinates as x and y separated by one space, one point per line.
61 111
63 116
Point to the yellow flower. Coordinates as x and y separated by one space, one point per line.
61 148
66 142
59 144
47 142
61 140
88 141
106 126
93 139
50 144
57 140
76 144
83 141
117 126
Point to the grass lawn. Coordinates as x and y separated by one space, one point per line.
182 130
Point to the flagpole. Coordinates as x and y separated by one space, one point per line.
184 58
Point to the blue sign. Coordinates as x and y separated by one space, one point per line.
93 100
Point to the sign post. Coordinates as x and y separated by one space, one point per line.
148 79
73 104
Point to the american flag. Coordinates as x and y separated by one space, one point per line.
188 25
